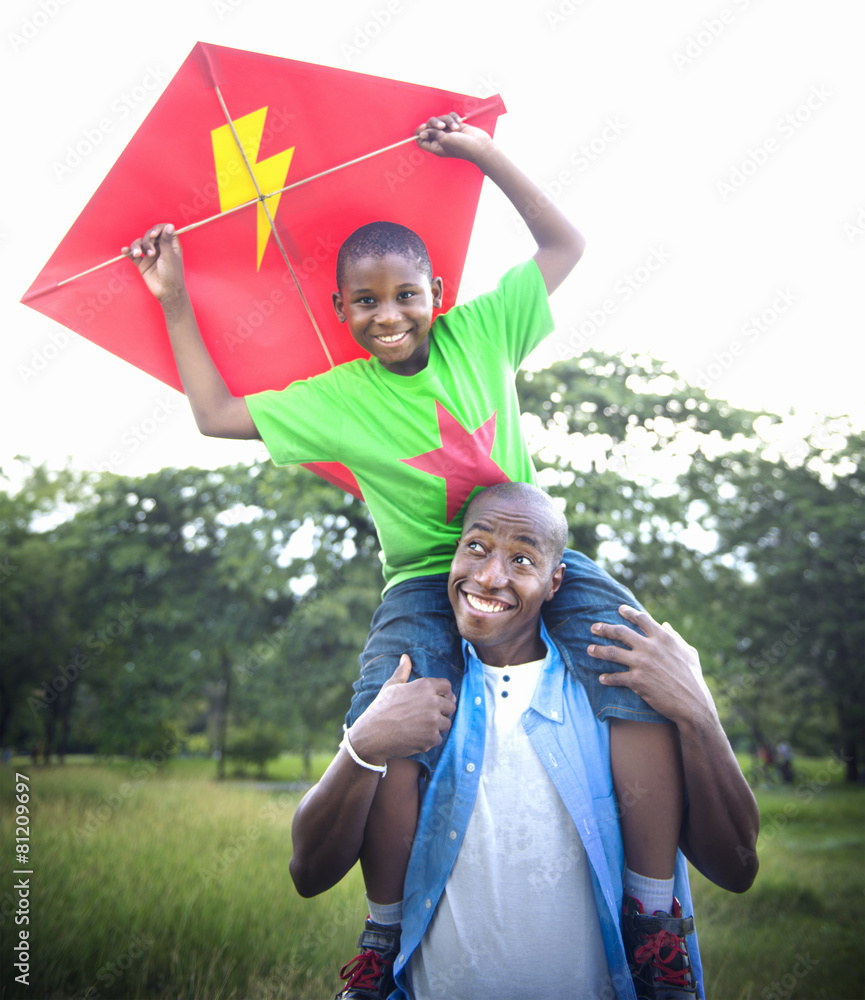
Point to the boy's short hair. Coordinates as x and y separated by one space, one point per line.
378 239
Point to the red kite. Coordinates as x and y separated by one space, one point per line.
270 163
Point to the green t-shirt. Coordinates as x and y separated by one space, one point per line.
421 445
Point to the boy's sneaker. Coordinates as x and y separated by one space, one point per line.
369 975
657 951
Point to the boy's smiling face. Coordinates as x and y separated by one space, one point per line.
388 303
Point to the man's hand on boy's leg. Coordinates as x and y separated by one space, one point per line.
328 830
722 814
662 668
405 718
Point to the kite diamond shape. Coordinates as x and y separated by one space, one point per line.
264 165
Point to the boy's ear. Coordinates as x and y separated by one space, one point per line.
338 307
437 288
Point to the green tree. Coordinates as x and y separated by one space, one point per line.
256 744
793 530
193 602
43 579
611 436
150 595
747 553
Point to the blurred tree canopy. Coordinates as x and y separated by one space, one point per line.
203 606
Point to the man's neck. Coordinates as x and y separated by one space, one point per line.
513 655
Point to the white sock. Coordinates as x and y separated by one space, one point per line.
385 914
653 893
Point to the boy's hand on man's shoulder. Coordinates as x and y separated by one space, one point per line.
448 135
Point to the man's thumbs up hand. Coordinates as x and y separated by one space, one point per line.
402 672
407 717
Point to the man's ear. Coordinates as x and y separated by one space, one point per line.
338 307
556 581
437 288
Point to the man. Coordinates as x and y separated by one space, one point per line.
514 885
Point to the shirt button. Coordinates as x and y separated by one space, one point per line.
453 835
504 694
429 904
555 715
478 700
506 677
470 768
401 959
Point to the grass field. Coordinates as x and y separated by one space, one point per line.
154 882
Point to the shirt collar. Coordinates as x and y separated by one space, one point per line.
548 698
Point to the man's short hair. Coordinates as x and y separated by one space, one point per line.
537 501
378 239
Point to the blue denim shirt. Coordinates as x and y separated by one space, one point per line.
575 751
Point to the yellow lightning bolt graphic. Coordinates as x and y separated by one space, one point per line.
235 184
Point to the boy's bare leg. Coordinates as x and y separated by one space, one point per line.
648 778
390 829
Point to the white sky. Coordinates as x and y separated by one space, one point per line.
635 115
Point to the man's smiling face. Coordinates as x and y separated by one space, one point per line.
505 568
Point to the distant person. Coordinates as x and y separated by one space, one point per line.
766 759
784 761
514 886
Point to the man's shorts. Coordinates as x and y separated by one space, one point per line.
416 617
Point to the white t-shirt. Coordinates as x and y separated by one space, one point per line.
517 920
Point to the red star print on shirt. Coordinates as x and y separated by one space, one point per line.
463 460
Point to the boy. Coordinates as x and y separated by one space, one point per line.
429 419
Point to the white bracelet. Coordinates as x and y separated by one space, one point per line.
381 768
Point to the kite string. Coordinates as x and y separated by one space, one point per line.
253 201
261 200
